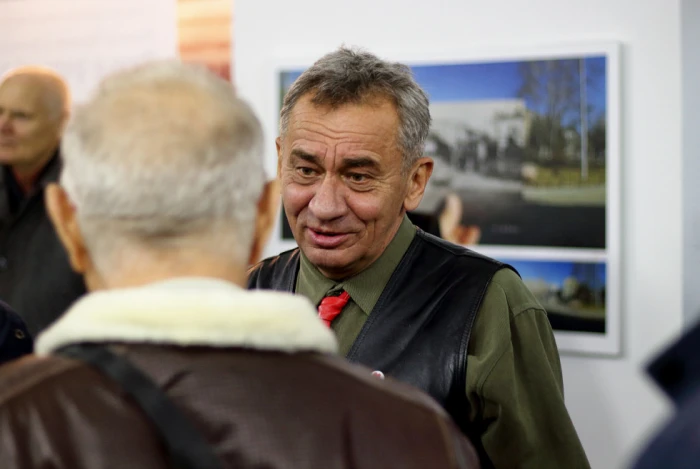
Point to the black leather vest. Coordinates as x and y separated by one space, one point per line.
419 330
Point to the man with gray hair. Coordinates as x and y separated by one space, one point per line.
168 361
458 325
35 277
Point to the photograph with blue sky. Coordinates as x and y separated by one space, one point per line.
497 80
522 145
573 293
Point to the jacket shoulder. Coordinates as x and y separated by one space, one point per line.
271 272
55 397
404 409
360 376
32 373
450 252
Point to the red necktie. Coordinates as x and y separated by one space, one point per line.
331 306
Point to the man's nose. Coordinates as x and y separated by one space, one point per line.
5 124
328 202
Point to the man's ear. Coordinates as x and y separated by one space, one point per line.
65 117
418 179
61 122
65 222
278 144
268 206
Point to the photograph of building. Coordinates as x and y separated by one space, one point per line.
573 293
524 145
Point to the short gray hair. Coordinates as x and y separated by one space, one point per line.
164 154
351 76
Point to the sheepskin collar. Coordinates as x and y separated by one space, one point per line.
192 311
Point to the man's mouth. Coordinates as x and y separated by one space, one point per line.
326 239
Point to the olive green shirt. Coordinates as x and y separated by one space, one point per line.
514 380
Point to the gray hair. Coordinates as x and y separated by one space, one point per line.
164 155
351 76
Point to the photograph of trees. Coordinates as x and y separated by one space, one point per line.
520 150
523 146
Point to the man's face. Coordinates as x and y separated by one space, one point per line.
342 186
29 132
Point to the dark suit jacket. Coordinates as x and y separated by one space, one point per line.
35 277
677 371
15 340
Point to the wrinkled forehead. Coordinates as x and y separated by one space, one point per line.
334 97
358 132
376 114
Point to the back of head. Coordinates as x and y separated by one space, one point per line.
164 157
352 76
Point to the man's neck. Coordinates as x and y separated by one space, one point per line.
144 272
28 176
26 181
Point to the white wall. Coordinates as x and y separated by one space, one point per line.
612 404
690 38
85 39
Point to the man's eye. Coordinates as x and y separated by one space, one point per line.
356 177
305 171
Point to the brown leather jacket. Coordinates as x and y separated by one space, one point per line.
262 395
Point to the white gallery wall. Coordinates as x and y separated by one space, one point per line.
613 405
85 39
690 79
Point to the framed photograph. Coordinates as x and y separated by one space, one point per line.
527 171
204 34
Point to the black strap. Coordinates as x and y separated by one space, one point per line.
185 445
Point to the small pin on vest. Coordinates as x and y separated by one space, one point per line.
378 374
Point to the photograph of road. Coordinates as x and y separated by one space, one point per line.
523 146
520 151
573 293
